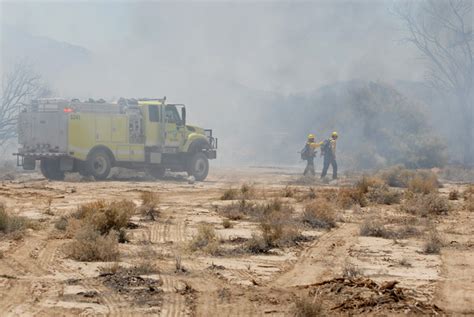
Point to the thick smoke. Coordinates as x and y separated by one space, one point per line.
240 67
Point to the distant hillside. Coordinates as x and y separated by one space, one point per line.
49 56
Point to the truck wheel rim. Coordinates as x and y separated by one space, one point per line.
200 167
100 165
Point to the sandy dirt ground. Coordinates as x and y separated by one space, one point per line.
37 278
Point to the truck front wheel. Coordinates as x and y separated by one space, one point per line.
198 166
99 164
50 169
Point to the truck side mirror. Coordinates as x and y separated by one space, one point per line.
183 115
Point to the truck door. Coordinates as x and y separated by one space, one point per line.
174 127
154 134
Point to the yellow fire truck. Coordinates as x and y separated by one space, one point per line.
91 137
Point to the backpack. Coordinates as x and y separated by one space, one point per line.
326 147
305 152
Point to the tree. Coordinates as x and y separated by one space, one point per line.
441 30
18 87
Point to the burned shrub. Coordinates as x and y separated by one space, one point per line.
61 224
319 214
279 230
418 181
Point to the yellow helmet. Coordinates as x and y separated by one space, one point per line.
334 134
310 136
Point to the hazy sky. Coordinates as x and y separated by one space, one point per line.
267 45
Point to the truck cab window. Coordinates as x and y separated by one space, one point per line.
172 115
154 114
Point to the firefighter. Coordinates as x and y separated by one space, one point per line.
328 151
308 153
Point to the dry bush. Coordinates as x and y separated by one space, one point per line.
226 223
453 195
319 214
279 230
468 192
405 262
104 216
382 194
90 245
289 192
423 182
308 307
433 244
61 224
350 196
149 207
247 191
372 228
10 224
238 210
366 182
256 244
425 205
420 181
407 231
230 194
206 240
245 209
351 271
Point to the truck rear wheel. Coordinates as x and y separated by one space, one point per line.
50 169
99 164
198 166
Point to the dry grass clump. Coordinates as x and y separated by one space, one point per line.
104 216
308 307
425 205
90 245
469 198
10 224
423 182
351 271
350 196
289 192
319 214
453 195
61 224
205 240
149 207
247 209
366 182
226 223
433 244
417 180
246 191
382 194
373 228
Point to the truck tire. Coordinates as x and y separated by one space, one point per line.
157 172
99 164
50 170
198 166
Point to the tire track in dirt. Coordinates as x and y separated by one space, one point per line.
16 294
168 231
322 259
174 304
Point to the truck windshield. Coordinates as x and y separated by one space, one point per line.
172 115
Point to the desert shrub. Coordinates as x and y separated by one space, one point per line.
206 239
149 207
419 181
278 229
453 195
256 244
289 192
349 196
468 192
104 216
433 244
230 194
407 231
319 214
245 208
372 228
61 223
308 307
247 191
10 223
423 182
226 223
366 182
382 194
351 271
90 245
425 205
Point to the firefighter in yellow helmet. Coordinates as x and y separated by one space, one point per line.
328 151
308 153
